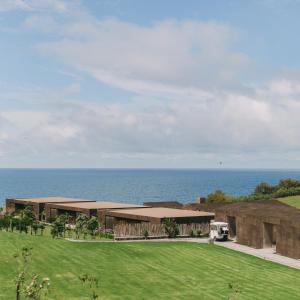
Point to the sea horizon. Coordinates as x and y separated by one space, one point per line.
134 185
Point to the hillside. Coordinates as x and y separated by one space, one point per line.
147 270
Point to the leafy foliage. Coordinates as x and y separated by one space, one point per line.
171 227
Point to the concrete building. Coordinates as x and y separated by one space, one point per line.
158 215
263 224
38 204
168 204
96 208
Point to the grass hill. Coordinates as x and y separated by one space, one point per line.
147 270
291 200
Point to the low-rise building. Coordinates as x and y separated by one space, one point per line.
158 215
38 204
263 224
96 208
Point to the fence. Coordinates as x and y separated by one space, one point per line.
124 229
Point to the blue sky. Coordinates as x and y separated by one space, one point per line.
149 83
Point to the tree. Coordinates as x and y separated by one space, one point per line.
58 227
91 282
219 196
171 227
35 227
26 219
42 228
29 284
81 225
264 188
288 183
92 226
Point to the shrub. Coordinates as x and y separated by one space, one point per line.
192 233
219 196
264 188
146 234
171 228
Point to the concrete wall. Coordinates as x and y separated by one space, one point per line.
288 240
13 205
249 231
10 206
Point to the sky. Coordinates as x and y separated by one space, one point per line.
149 84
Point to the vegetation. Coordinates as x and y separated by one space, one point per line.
219 196
147 270
171 228
291 200
27 284
263 191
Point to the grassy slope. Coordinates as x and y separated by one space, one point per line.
292 200
147 270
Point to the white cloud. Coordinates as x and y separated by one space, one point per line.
34 5
190 102
168 54
41 23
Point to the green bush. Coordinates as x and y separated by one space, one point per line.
146 234
219 196
171 228
192 233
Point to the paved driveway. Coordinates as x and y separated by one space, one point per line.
266 253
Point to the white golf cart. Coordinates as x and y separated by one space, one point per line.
219 231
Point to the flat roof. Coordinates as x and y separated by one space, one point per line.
52 200
262 209
97 205
162 212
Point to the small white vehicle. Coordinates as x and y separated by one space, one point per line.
219 231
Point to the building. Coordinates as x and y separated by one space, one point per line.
96 208
263 224
38 204
108 213
168 204
158 215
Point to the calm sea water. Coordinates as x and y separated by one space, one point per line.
131 185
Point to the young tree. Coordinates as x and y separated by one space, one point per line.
42 228
92 283
264 188
29 284
171 227
58 227
81 225
92 226
35 226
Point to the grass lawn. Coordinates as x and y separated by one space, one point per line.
147 270
292 200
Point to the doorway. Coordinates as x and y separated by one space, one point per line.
269 235
232 226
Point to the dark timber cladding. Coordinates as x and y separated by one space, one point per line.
168 204
262 224
96 208
38 204
158 214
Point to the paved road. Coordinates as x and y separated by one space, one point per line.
266 253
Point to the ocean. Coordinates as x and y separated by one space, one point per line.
133 185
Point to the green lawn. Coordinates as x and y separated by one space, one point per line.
292 200
147 270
